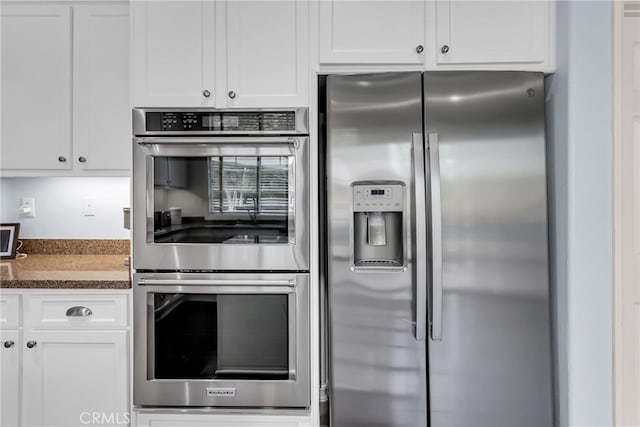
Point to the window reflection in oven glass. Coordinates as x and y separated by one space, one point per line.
229 199
224 336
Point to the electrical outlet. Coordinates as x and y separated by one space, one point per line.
89 206
27 207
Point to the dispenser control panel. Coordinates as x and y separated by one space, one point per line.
383 197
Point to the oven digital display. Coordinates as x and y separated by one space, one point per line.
220 121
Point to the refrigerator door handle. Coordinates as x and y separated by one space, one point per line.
420 259
436 238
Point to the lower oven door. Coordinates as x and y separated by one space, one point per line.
234 340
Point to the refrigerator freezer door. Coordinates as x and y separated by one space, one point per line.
492 366
378 368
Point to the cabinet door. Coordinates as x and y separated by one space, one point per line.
173 53
477 32
102 115
10 377
68 374
36 87
372 31
267 53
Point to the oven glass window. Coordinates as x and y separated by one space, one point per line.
220 336
229 200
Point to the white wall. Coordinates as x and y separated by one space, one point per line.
580 155
59 207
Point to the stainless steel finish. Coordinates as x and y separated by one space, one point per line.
206 93
79 311
376 230
232 94
377 367
82 159
150 256
419 48
301 126
293 392
8 344
269 142
444 49
31 344
493 365
420 235
62 159
435 293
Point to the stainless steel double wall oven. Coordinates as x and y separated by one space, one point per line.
221 258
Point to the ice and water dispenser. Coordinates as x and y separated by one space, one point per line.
378 210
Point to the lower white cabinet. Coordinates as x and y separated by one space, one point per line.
66 363
69 377
10 352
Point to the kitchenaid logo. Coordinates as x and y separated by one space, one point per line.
105 418
221 392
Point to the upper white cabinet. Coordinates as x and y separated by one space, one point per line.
36 87
174 53
498 33
65 89
201 53
372 31
101 101
267 45
437 34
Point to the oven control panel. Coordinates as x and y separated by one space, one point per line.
220 121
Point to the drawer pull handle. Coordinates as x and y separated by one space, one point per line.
79 312
31 344
8 344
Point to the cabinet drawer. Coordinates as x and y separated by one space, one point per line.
78 311
9 311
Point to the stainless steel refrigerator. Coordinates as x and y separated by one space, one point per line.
438 307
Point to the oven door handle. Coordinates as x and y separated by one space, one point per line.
204 282
219 140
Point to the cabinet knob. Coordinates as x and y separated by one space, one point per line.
232 94
31 344
444 49
8 344
62 159
82 159
206 93
419 48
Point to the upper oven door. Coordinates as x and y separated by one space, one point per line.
220 204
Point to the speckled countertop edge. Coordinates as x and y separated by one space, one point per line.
68 264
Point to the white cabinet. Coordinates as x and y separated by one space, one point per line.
69 362
513 35
10 351
267 53
36 87
437 34
70 375
101 102
173 53
224 54
65 89
372 31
